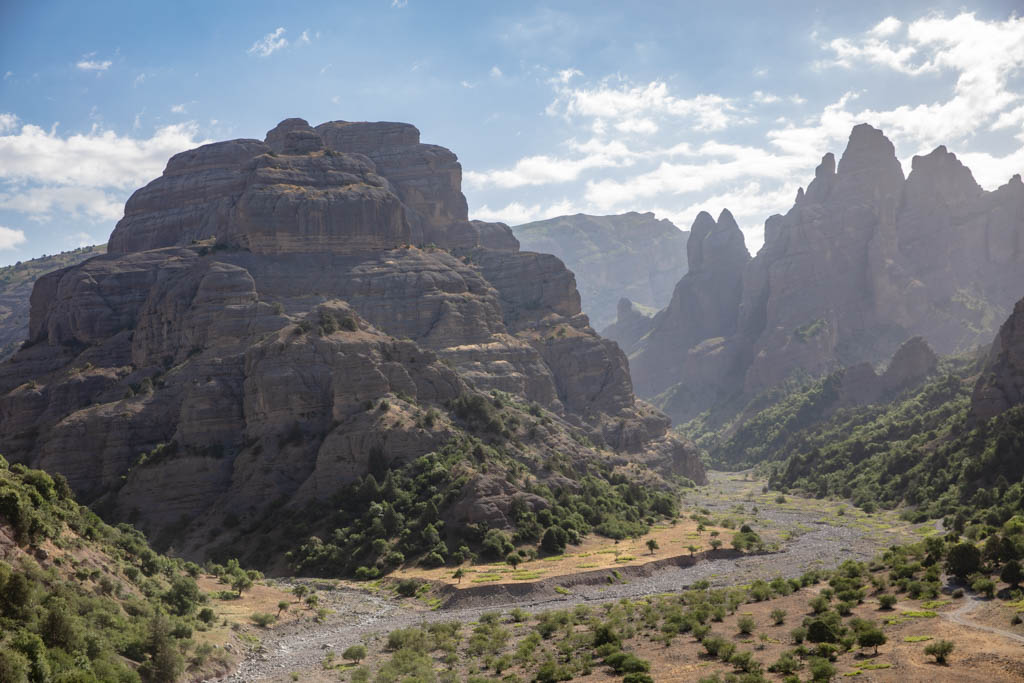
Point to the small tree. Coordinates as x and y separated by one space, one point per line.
821 669
692 549
241 582
778 616
963 560
312 601
716 543
746 625
984 585
652 545
513 559
459 573
871 637
886 601
300 591
1012 573
356 653
940 649
282 607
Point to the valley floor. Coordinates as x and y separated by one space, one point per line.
810 534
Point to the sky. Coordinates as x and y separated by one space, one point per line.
552 108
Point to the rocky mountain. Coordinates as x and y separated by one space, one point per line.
1001 384
632 255
864 260
16 284
632 323
276 321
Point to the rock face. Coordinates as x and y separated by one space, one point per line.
632 323
16 283
863 261
703 305
1001 384
632 255
260 305
910 366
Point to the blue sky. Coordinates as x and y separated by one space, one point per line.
601 107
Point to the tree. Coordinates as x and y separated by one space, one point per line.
745 625
886 601
963 560
300 591
778 616
183 595
821 669
716 543
241 582
652 545
984 585
692 549
355 653
554 540
871 637
312 601
282 607
459 573
940 649
1012 573
513 559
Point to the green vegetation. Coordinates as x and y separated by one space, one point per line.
393 516
100 605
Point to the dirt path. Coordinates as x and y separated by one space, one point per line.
959 616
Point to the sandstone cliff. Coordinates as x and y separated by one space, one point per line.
632 255
276 318
864 260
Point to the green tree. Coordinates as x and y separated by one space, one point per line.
652 545
871 637
355 653
282 606
962 560
241 582
1012 573
513 559
459 573
14 666
183 595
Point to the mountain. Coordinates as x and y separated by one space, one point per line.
16 284
864 260
311 322
632 255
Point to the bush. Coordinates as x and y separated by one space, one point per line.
940 649
799 634
778 616
262 619
821 669
886 601
745 625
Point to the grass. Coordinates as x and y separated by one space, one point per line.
920 614
561 590
876 665
916 639
933 604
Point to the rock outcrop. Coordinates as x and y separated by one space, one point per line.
863 261
16 283
632 323
632 255
276 318
1001 384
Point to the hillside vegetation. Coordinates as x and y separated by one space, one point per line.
81 601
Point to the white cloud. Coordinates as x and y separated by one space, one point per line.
270 43
7 122
178 109
88 173
566 75
139 80
886 27
765 97
544 169
467 84
9 238
608 101
81 239
89 64
8 74
641 126
516 213
495 72
304 39
399 3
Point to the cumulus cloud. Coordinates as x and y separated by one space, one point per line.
496 72
270 43
10 238
886 27
517 213
83 173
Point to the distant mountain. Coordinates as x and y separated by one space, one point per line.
632 255
864 260
16 284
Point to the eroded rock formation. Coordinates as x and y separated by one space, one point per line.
863 261
1001 384
274 315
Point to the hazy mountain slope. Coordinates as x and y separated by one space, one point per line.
632 255
863 261
16 284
